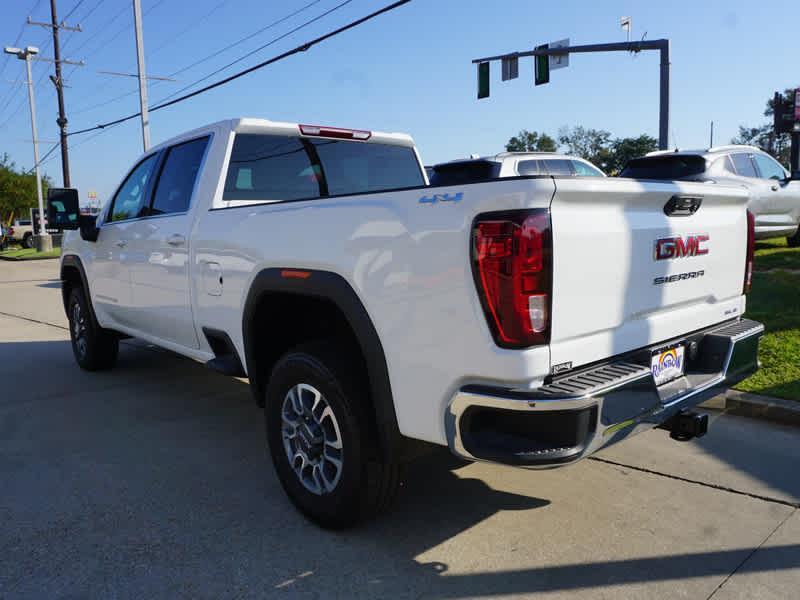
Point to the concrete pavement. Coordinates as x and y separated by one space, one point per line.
152 480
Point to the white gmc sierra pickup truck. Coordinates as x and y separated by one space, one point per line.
527 321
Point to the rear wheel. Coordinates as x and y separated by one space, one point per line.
794 241
95 348
320 437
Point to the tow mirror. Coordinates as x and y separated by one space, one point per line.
63 210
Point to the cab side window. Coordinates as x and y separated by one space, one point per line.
584 170
175 184
744 165
130 201
529 167
769 168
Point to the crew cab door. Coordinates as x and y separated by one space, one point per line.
160 248
109 274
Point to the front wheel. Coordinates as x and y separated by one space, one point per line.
320 438
27 241
95 348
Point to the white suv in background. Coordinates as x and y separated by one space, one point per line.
511 164
774 195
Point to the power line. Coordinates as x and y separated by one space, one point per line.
173 38
202 60
74 8
249 54
302 48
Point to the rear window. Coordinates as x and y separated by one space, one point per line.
463 172
664 167
270 168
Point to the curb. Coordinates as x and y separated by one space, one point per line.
745 404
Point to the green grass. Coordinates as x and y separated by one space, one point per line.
29 254
775 301
775 254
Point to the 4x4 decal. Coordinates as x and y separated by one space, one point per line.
442 198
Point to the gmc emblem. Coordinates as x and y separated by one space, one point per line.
680 247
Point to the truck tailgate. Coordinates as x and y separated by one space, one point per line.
626 274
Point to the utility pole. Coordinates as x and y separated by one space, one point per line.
549 50
711 138
54 25
43 241
137 21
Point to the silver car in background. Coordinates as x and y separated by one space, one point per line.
774 195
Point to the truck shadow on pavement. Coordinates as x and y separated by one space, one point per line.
153 480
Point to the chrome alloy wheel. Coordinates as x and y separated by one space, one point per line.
311 438
78 327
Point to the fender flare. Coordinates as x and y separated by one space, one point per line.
74 261
334 288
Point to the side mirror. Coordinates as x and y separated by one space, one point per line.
62 208
88 227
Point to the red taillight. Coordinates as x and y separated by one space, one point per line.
10 231
335 132
751 249
512 262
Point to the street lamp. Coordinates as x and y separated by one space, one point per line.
43 241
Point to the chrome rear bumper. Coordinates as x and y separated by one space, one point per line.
580 412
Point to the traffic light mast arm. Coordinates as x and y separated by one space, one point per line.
661 45
612 47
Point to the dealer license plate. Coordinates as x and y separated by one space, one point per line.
667 365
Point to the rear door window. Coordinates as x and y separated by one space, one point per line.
744 165
178 175
769 168
585 170
559 166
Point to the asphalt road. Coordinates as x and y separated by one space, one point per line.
152 481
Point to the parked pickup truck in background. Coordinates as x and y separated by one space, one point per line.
527 321
21 231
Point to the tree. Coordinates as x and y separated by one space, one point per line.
764 137
624 149
17 190
531 141
591 144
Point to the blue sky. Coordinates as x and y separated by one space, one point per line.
407 71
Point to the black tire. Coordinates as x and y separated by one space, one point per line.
95 348
366 484
794 241
27 240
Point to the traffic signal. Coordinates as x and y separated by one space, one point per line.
542 66
483 80
783 113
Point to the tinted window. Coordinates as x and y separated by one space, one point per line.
24 222
664 167
129 202
270 168
530 167
355 167
467 171
769 168
586 170
743 164
558 166
176 181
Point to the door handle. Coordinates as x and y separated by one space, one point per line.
122 243
176 239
